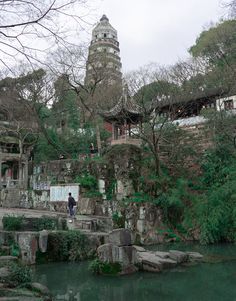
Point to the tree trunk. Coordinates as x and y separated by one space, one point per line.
20 163
98 136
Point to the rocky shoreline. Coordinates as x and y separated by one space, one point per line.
131 258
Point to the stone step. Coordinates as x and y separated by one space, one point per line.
12 197
6 250
4 273
6 259
90 223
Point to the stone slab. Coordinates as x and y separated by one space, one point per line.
4 259
149 262
178 256
194 256
162 254
139 249
167 263
42 289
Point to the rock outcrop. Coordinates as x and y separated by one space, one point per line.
119 249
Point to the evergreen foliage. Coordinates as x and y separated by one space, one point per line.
12 222
69 245
19 274
105 268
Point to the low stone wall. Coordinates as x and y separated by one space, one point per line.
22 198
35 245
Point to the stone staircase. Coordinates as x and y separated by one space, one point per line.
10 197
90 223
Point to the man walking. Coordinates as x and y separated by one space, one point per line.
71 205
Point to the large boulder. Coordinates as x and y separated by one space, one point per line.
105 253
120 237
125 255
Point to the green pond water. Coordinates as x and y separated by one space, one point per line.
214 280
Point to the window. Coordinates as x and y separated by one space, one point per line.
105 35
228 104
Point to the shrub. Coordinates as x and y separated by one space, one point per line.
20 274
69 245
169 234
45 223
12 223
105 268
118 220
87 182
15 250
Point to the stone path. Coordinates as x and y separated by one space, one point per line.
27 213
85 223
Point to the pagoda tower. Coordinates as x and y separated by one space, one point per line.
104 63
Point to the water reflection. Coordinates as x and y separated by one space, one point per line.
205 281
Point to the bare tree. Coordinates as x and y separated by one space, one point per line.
161 99
29 29
231 7
94 94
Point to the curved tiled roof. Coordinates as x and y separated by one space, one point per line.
125 107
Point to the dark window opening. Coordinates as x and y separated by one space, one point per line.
105 35
228 104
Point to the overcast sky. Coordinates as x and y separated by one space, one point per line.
158 31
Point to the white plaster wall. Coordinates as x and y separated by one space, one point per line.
220 102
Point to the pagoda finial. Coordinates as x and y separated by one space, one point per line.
104 18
